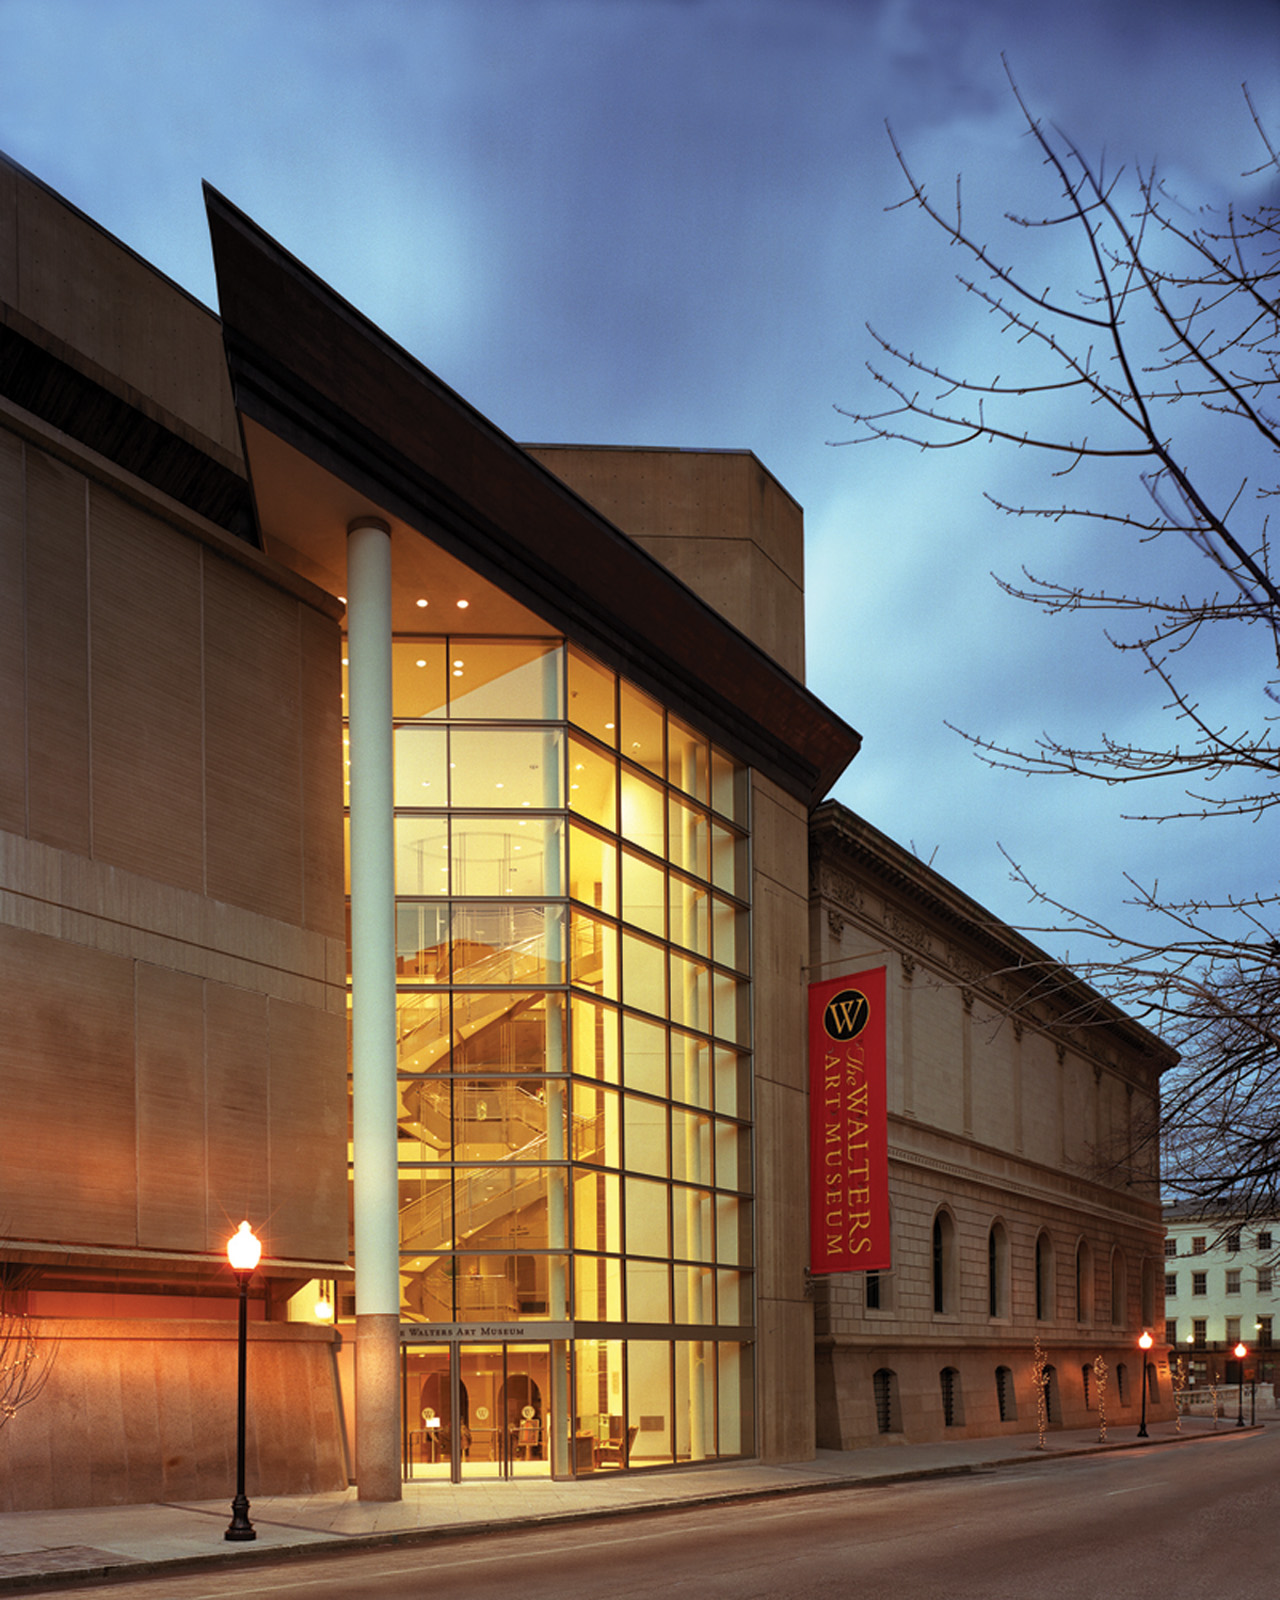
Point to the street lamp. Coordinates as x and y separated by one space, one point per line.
1144 1344
1240 1352
244 1251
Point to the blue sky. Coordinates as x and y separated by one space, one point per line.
668 222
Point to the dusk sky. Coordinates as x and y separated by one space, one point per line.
667 222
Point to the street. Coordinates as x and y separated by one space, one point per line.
1176 1522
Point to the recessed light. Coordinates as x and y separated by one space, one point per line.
421 603
463 604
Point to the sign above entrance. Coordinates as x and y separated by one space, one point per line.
477 1332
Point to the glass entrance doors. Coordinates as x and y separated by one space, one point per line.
475 1411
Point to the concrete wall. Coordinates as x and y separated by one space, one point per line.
140 1411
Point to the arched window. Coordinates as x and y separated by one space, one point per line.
1086 1378
952 1410
1052 1402
1006 1398
1117 1288
1122 1384
997 1271
1044 1278
1084 1282
884 1385
944 1265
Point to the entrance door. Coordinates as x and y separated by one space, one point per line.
476 1411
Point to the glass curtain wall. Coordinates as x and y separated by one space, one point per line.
573 975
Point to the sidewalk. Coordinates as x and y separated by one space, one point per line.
48 1548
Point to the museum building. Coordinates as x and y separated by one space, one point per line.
575 801
408 845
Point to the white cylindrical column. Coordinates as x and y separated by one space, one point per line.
373 1009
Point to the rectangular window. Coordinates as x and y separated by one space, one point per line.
1199 1283
1233 1330
1199 1332
1264 1280
1264 1241
872 1281
1170 1284
1171 1331
1264 1333
1197 1245
1171 1247
1233 1282
1233 1240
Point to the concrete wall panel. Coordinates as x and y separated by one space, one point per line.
172 1133
13 651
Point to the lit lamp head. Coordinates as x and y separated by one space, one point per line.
1241 1351
244 1249
324 1308
1146 1341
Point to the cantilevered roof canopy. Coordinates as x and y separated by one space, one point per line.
314 373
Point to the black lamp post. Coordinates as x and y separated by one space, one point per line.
1144 1344
1240 1352
244 1251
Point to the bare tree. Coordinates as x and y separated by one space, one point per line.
1157 366
26 1359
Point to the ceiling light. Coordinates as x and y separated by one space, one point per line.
463 604
421 603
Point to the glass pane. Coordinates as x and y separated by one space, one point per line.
598 1404
690 992
595 1039
690 1069
735 1393
731 931
649 1400
689 905
648 1291
520 942
426 1288
496 1119
643 894
648 1233
694 1293
508 1033
418 678
597 1289
512 679
506 767
597 1212
509 1206
593 870
421 767
426 1209
730 786
733 1008
733 1084
496 855
643 821
597 1137
641 729
645 1138
422 855
695 1407
644 974
594 954
691 1146
644 1055
732 1306
733 1157
592 695
733 1231
510 1288
688 760
689 837
424 1115
729 860
422 943
422 1032
593 784
693 1223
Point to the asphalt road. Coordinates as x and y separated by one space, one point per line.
1171 1523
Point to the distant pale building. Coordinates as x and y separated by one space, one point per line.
1006 1229
1220 1286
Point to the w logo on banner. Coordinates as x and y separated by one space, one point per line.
846 1015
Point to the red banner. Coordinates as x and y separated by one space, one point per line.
848 1125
